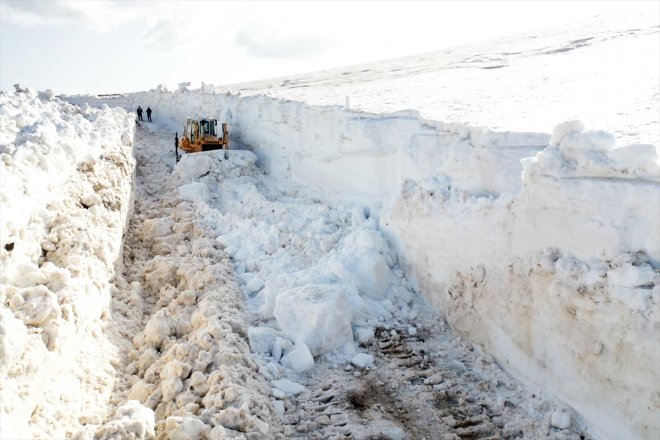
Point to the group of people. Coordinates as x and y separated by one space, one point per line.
139 113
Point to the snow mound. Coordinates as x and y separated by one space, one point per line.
70 172
591 154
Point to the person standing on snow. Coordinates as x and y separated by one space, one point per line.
149 114
139 112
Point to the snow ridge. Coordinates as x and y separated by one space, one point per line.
67 179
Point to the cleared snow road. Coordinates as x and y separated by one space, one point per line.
219 255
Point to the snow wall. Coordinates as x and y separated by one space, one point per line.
542 248
67 178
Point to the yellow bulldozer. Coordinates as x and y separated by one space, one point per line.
202 135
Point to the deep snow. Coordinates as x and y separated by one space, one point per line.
288 304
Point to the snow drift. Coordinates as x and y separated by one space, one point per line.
67 176
543 248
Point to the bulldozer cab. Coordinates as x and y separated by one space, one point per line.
208 126
202 135
204 128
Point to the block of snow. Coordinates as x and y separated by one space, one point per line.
278 407
170 388
132 420
193 166
560 418
368 271
141 390
363 335
13 339
573 145
561 130
362 360
157 227
22 275
261 339
634 156
254 285
183 428
195 191
299 359
315 314
288 387
280 346
175 368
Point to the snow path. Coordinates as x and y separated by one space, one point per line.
182 323
179 321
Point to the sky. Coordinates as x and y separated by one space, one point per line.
97 46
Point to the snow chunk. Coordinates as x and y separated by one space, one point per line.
560 418
280 346
362 360
196 191
573 143
635 156
183 428
261 339
157 227
254 285
315 314
157 329
363 335
13 340
22 275
193 166
561 130
133 421
367 270
288 387
299 359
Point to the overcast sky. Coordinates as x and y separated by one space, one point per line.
125 46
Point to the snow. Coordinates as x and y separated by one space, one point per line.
239 303
316 315
298 358
288 387
362 360
67 181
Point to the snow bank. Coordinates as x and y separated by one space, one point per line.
191 362
531 244
559 281
361 155
66 176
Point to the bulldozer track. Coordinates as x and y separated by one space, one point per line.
415 391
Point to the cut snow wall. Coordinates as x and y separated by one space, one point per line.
67 180
349 152
550 269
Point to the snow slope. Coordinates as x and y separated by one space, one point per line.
603 71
